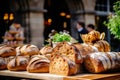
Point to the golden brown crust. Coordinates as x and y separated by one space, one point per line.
62 65
102 61
68 50
19 63
27 50
6 51
46 50
38 64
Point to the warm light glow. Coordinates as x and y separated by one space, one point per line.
5 16
65 24
62 14
49 20
11 16
68 16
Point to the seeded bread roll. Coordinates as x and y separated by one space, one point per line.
27 50
102 61
19 63
38 64
61 65
6 51
102 46
70 51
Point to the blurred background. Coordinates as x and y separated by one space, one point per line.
39 17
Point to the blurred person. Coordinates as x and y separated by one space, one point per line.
90 27
81 30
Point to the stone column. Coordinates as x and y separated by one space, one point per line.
89 8
37 21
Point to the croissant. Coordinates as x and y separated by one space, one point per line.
27 50
19 63
6 51
38 63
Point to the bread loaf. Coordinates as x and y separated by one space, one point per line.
46 50
70 51
85 49
62 65
38 64
6 51
102 61
19 63
27 50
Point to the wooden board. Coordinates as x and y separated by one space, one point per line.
47 76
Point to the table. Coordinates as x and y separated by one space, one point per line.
47 76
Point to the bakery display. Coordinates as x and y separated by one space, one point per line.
102 61
38 64
61 65
27 50
19 63
6 51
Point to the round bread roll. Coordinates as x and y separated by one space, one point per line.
27 50
19 63
6 51
38 64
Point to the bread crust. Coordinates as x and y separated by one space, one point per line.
38 64
6 51
19 63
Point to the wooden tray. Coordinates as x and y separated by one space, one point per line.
47 76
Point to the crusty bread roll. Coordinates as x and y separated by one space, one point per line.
46 50
85 49
61 65
102 46
6 51
3 63
38 64
102 61
64 48
27 50
19 63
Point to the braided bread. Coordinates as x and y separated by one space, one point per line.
63 48
6 51
102 61
62 65
27 50
19 63
38 63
